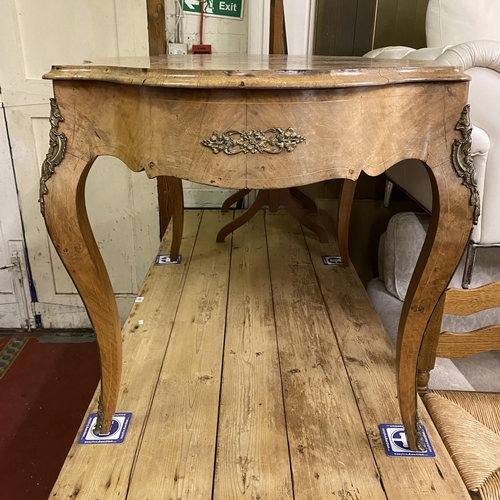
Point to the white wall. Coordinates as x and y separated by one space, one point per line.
225 35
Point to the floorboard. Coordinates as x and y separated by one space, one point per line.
254 371
252 452
178 447
370 360
328 444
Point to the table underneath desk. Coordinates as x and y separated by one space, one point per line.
259 123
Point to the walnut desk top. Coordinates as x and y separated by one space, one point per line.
259 122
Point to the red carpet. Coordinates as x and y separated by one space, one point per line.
43 397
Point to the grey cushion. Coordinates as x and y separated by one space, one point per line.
400 249
403 241
445 374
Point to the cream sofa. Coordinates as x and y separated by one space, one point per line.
463 33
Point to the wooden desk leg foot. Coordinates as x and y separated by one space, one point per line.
171 203
446 238
70 231
343 217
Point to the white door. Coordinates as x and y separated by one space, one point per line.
15 298
300 18
123 208
122 205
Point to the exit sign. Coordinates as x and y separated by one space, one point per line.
232 9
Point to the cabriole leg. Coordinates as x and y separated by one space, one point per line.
455 207
70 231
444 244
62 203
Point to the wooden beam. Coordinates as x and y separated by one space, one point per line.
157 34
276 27
157 37
464 344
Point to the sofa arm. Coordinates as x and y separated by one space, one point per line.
398 52
475 54
467 55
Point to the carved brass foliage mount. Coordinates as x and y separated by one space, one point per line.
271 140
462 160
100 416
57 148
419 433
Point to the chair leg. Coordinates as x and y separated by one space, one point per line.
427 354
274 200
261 200
470 260
285 198
423 378
388 192
304 200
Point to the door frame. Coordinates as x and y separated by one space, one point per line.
302 26
16 305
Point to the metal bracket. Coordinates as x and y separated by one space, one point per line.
462 161
57 149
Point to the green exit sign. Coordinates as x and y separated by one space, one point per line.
232 9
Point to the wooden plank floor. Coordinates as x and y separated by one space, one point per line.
256 373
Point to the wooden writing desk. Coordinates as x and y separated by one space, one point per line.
259 122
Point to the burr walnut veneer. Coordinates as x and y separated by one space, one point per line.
258 122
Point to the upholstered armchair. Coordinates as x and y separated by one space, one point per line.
463 33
